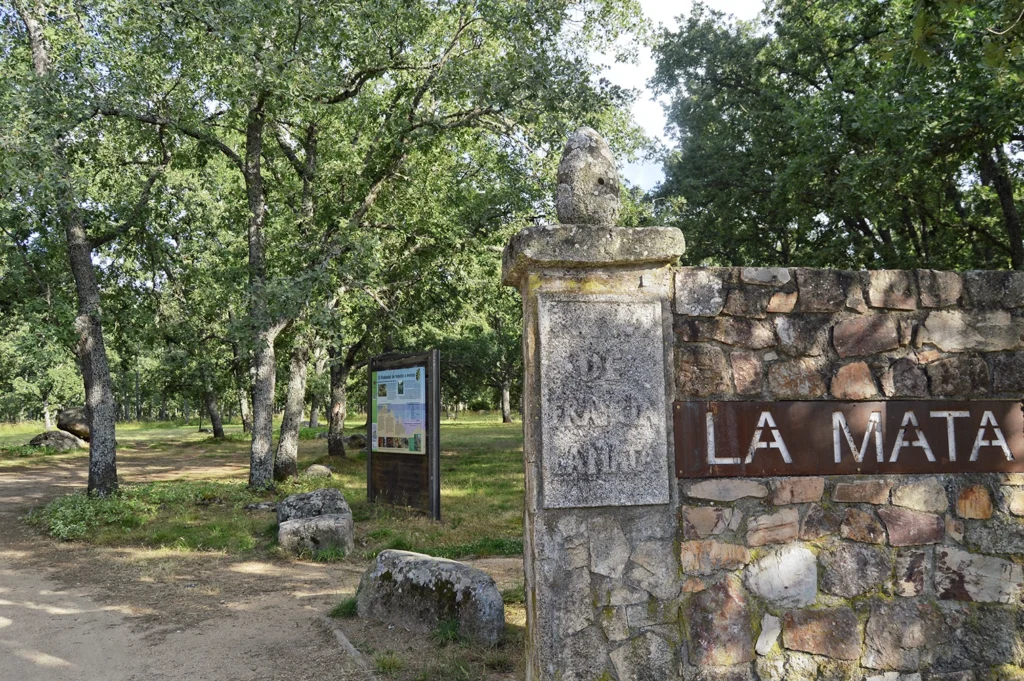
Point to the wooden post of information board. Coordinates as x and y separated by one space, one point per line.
403 460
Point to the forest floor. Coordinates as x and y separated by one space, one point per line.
121 611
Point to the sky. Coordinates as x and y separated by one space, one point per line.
648 112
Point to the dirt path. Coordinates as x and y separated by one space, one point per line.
73 612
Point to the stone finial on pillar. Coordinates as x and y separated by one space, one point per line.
588 184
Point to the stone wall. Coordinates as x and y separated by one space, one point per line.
879 577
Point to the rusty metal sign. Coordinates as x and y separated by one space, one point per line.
730 439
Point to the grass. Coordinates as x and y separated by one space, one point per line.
514 595
481 498
347 608
25 451
388 663
446 633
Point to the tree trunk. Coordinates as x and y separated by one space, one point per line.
314 407
99 393
314 411
46 414
243 408
995 175
506 401
216 424
339 404
184 410
261 453
215 421
286 465
264 329
163 406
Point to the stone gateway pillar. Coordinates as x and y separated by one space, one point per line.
602 570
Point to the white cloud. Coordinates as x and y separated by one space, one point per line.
646 110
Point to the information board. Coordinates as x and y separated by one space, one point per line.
403 460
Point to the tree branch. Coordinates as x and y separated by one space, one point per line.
136 211
188 131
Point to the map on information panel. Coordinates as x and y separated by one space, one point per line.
399 411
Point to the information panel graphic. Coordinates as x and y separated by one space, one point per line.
403 463
399 411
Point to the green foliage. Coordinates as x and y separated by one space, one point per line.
182 515
77 515
815 136
346 609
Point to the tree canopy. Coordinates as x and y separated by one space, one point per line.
851 133
231 179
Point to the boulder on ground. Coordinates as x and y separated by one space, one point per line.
317 471
334 530
322 436
355 442
420 592
312 504
59 440
74 421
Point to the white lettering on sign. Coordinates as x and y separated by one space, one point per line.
766 420
713 460
874 428
949 416
989 419
729 438
901 439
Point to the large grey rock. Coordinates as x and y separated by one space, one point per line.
588 184
74 421
355 441
823 290
58 440
853 569
787 577
419 592
321 502
318 533
317 471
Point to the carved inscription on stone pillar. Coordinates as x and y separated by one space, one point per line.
602 403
